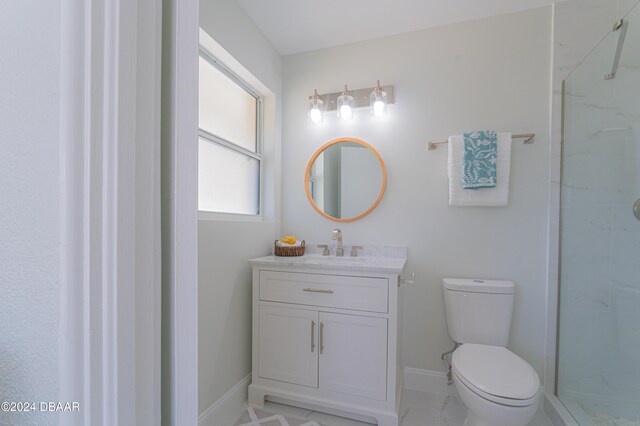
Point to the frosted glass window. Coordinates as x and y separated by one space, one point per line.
226 109
228 180
229 149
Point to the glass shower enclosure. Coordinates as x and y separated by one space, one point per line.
598 365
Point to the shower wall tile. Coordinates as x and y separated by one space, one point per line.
595 175
625 247
585 257
626 299
581 355
595 148
586 231
626 307
586 294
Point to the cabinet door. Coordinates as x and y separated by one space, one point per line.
288 345
353 355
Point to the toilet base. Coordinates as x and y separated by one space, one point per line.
482 412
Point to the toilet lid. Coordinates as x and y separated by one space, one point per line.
496 371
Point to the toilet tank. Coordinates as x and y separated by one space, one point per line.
479 311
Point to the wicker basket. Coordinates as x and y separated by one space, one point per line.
289 250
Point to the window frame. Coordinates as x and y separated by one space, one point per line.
257 155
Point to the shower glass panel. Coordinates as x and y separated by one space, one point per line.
599 317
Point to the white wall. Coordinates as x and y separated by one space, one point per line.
224 324
29 226
488 73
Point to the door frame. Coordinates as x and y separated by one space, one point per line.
180 212
110 230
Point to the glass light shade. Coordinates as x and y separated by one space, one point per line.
315 115
345 112
378 102
316 106
345 106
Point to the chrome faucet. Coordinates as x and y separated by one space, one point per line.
337 235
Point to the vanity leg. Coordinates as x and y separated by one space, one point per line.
256 397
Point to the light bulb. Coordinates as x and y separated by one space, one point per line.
378 108
315 108
315 115
345 104
346 113
378 101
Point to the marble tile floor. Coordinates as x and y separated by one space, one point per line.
605 420
416 409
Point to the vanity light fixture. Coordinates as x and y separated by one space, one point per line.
316 106
378 101
345 102
345 105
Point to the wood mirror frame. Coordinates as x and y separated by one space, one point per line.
307 175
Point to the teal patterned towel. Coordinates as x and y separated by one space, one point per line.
479 161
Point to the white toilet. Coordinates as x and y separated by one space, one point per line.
498 387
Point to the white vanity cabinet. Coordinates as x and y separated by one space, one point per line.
353 355
338 352
327 337
287 347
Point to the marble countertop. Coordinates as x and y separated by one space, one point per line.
379 261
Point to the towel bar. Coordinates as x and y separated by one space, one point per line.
528 138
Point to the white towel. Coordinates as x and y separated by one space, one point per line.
296 244
498 196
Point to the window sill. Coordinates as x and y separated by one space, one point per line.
234 217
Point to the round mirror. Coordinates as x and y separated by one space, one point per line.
345 179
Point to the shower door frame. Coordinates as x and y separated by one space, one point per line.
553 407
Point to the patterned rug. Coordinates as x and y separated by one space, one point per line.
253 417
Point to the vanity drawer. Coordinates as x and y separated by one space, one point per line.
333 291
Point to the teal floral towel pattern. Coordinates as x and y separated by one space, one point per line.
479 161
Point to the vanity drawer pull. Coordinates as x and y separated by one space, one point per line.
317 290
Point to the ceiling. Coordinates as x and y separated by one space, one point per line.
295 26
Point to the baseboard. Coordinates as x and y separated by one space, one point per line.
427 381
227 409
556 412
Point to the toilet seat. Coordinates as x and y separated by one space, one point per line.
496 374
